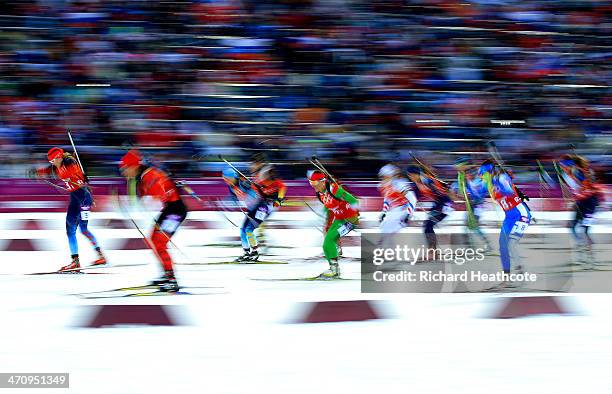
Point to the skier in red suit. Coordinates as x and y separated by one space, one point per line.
151 181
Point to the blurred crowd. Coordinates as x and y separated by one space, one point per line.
357 83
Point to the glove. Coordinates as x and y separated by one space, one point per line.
278 202
382 217
522 196
31 173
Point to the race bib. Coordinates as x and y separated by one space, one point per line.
587 221
261 214
85 214
345 228
519 229
170 224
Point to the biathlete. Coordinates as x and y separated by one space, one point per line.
429 186
472 189
66 168
342 209
588 194
153 182
399 199
517 214
261 196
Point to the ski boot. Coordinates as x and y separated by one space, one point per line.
167 282
170 286
586 258
502 287
489 251
244 258
254 255
73 267
333 271
101 260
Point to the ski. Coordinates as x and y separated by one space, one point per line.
154 293
143 287
516 289
308 279
66 272
246 262
232 245
492 254
221 245
87 268
341 259
577 270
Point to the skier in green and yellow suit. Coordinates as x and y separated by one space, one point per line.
343 208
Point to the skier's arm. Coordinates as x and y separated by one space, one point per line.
280 195
412 201
238 190
132 189
329 218
282 189
570 181
41 172
488 181
342 194
383 213
457 187
504 184
407 190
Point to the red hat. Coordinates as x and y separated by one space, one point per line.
315 176
130 159
54 153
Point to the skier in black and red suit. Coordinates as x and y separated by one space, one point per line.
151 181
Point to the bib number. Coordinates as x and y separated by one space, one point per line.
69 184
345 228
519 229
261 214
85 214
